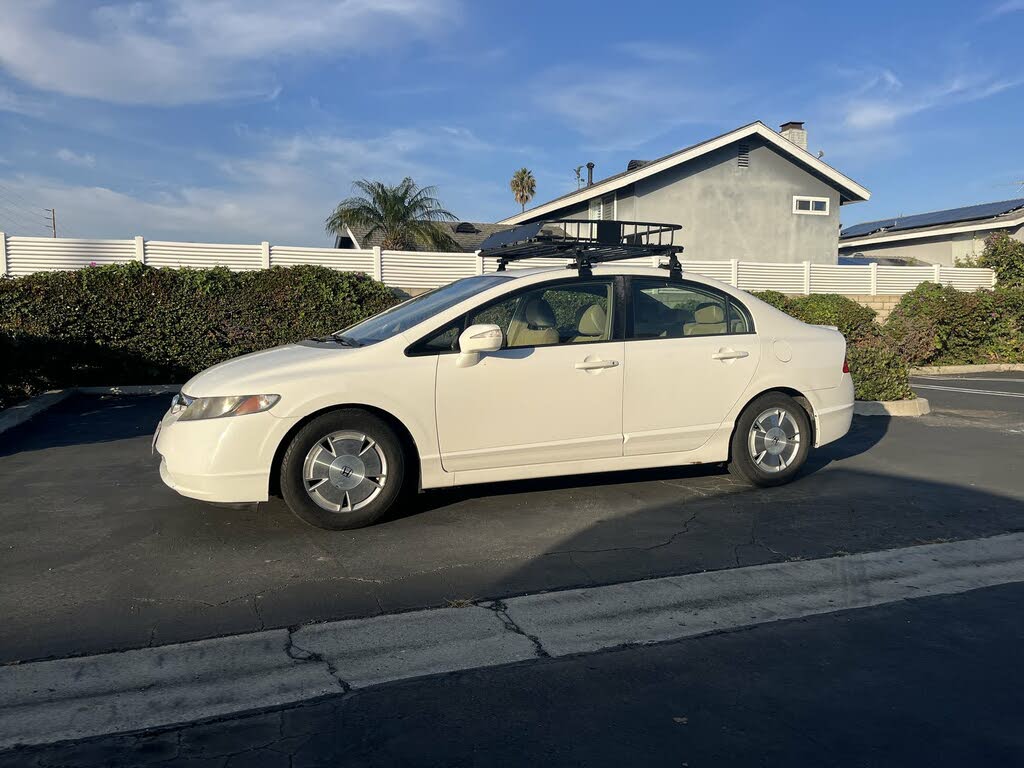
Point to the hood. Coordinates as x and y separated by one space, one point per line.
258 373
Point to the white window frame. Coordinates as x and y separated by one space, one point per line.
812 201
594 208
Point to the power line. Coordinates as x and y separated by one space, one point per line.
21 197
30 212
19 223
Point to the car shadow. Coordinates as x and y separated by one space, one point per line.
865 432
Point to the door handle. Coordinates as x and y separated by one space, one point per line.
591 365
729 354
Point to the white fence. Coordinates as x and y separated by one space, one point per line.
415 270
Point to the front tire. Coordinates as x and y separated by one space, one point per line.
771 440
343 470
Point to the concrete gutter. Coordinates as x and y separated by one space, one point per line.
916 407
18 414
50 701
930 370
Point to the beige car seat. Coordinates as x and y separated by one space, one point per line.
708 319
534 326
593 324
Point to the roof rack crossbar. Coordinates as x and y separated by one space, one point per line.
585 241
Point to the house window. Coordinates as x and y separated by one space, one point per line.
812 206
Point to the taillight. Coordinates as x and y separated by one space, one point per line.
846 366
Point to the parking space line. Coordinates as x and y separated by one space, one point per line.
50 701
969 391
964 378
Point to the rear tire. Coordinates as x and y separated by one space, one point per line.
771 441
343 470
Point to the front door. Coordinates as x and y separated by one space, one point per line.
553 393
690 355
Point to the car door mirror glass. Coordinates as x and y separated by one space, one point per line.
477 340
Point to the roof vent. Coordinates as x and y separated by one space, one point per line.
743 155
634 164
465 227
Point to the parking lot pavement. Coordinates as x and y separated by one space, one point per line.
99 555
929 682
987 396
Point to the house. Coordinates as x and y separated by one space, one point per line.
940 237
751 194
468 235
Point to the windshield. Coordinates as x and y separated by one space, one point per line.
414 311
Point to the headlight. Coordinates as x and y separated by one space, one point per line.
193 408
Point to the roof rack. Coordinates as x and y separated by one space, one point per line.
585 241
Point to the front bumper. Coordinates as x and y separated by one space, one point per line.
222 460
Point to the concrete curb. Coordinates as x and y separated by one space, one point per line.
16 415
987 368
917 407
49 701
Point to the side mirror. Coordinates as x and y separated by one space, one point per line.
476 340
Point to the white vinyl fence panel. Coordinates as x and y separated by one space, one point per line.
418 270
787 278
335 258
159 253
835 278
26 255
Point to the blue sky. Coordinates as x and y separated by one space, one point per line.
245 120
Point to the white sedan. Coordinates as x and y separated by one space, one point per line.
506 376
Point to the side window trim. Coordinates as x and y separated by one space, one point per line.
618 314
730 302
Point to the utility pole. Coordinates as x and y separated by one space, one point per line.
53 219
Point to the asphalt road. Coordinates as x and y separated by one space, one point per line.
98 555
929 682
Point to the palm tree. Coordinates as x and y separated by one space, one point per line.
524 186
404 214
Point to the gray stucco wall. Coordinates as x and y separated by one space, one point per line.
733 212
944 250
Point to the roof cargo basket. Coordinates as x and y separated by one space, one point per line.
585 241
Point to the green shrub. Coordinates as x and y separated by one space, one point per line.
957 327
1005 256
132 324
775 298
916 339
879 373
853 320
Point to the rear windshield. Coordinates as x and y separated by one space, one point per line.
410 313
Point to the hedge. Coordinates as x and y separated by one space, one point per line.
132 324
939 325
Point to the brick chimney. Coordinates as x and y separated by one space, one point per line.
795 132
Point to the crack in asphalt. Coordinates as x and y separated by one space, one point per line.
684 530
500 609
298 653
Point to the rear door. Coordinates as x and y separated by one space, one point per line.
690 353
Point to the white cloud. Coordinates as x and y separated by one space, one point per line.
1009 6
189 51
883 100
73 158
622 107
282 193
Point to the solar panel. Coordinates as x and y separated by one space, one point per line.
949 216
